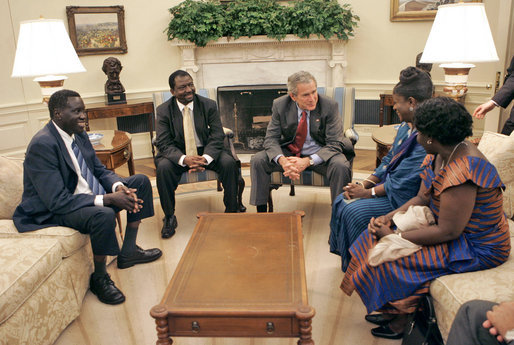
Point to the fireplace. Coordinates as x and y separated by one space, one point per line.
246 109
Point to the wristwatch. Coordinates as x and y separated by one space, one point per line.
311 161
373 194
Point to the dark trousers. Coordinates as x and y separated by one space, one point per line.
337 169
508 127
100 222
467 327
168 176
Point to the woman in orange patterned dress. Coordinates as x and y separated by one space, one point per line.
464 191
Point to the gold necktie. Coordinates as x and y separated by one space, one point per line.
189 133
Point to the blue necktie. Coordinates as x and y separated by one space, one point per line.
91 180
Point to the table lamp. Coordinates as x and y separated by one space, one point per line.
459 36
44 51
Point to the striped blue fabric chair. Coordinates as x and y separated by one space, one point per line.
206 175
345 97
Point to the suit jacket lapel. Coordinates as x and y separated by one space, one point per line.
176 119
314 121
197 118
62 146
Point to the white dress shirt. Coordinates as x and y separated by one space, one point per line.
197 139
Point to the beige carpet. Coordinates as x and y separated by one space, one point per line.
339 319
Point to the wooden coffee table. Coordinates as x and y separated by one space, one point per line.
241 275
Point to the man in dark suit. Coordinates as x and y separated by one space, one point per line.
502 98
305 132
66 185
190 137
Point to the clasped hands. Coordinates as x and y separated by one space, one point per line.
124 198
293 166
380 227
195 163
355 190
500 320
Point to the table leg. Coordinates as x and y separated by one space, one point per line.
304 316
150 126
130 162
160 313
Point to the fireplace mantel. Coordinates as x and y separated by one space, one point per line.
262 60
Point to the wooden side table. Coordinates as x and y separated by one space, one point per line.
115 149
102 111
384 137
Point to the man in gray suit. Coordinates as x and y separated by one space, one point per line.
305 132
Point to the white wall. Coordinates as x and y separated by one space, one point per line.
379 51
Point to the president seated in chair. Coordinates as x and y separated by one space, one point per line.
190 138
64 184
305 132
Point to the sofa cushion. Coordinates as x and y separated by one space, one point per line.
499 150
11 185
24 265
69 239
451 291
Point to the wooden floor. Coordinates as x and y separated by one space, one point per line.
339 319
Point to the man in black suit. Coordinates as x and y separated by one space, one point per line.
186 112
66 185
502 98
320 146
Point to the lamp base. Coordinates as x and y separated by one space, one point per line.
50 84
456 78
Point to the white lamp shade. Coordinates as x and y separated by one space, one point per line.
460 33
44 48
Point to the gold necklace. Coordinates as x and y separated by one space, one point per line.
451 154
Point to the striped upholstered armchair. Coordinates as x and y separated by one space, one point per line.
345 97
206 175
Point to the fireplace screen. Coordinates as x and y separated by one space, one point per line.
247 110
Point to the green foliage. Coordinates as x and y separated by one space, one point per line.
197 21
322 17
207 20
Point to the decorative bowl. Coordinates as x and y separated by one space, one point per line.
95 138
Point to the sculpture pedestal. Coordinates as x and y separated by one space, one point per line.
115 98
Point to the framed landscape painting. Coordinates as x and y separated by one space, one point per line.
97 30
416 10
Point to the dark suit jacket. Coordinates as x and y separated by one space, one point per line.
170 130
506 93
325 127
49 179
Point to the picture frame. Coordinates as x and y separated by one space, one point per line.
96 30
409 10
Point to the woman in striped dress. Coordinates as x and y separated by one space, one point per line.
394 182
471 233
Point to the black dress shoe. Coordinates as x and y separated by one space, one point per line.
140 256
377 319
103 287
386 332
169 224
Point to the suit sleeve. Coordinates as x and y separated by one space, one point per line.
273 134
42 167
165 135
335 142
506 93
216 137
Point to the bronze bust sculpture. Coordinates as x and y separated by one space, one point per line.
114 90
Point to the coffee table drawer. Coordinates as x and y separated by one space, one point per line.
233 326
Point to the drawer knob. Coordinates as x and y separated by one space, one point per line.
126 154
195 327
270 327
